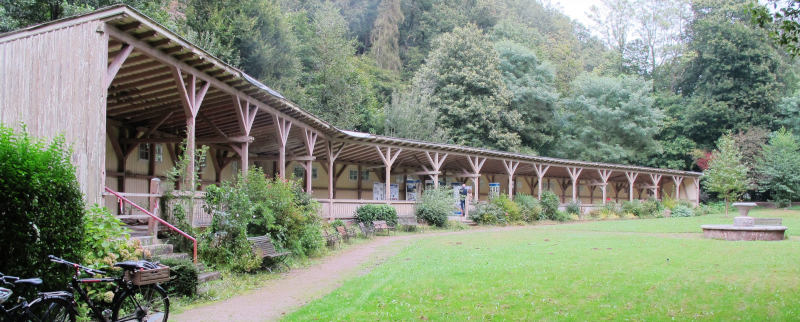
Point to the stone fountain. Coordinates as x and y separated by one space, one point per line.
747 228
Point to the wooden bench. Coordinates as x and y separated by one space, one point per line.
367 230
330 239
263 248
382 225
343 233
768 221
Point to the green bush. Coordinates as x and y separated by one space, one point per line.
337 223
549 205
681 211
41 208
573 208
370 213
633 207
561 216
530 208
488 214
434 206
652 208
512 211
183 277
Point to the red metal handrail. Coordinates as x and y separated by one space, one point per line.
194 240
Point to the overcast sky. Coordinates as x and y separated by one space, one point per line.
576 9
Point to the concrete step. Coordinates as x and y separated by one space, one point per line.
200 267
134 220
146 240
159 249
208 276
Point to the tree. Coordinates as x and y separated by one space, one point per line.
779 166
726 175
468 91
21 13
609 119
411 116
783 23
385 35
534 97
789 113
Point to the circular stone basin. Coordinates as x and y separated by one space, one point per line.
731 232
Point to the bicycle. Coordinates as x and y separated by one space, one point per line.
48 306
130 302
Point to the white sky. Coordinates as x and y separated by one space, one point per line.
576 9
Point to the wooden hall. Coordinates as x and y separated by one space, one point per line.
126 92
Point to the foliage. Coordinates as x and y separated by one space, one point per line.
779 166
337 223
530 207
183 277
682 211
783 23
385 35
468 91
41 207
252 206
652 208
633 207
550 205
409 116
18 14
513 212
488 214
367 214
573 208
726 175
434 206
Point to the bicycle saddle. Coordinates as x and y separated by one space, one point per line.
134 265
31 281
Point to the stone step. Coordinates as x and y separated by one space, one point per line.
146 240
134 220
175 256
208 276
159 249
200 267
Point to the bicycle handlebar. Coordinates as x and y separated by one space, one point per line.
88 270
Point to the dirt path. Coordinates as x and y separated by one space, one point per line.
300 286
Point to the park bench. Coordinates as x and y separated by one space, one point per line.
352 231
343 233
330 239
768 221
263 248
382 225
367 230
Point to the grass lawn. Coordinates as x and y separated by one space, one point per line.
633 269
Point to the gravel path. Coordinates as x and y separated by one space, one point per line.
300 286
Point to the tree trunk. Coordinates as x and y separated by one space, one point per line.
726 206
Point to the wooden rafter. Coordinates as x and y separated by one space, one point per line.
115 64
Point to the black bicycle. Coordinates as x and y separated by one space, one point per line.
48 306
131 302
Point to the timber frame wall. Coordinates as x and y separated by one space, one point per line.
116 83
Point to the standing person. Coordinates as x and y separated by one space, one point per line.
463 198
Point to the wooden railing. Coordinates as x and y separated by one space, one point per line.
346 208
197 216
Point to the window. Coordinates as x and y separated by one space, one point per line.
353 175
159 152
313 172
299 172
235 167
365 175
144 151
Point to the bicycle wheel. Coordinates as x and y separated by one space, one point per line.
142 303
53 309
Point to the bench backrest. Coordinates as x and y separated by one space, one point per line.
341 230
380 224
262 246
768 221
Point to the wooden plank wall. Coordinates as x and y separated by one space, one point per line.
53 83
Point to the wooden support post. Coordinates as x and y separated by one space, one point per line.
436 163
283 126
574 173
310 141
360 169
155 188
604 175
617 188
332 153
541 169
115 65
656 179
696 182
388 159
511 168
245 116
476 164
631 179
191 99
678 180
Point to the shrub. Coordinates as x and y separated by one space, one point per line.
530 207
511 210
652 208
183 277
337 223
633 207
488 214
370 213
573 208
561 216
549 205
41 208
434 206
681 211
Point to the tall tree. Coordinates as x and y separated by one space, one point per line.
779 167
468 91
385 35
613 19
533 95
609 119
411 116
21 13
726 175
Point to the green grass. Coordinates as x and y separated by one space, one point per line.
630 269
